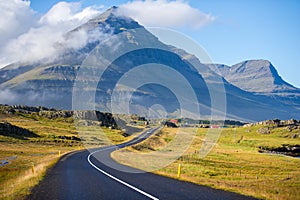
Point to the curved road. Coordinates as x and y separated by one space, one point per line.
82 175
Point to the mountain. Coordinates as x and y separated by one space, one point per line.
52 84
241 102
258 76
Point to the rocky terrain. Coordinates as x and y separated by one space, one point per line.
102 119
282 128
285 149
7 129
276 123
258 76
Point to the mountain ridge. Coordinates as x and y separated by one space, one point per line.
242 73
52 84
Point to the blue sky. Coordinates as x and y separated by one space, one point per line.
242 30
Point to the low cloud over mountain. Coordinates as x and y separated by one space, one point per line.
251 88
162 13
28 37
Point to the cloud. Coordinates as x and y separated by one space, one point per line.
16 18
69 14
6 96
29 38
163 13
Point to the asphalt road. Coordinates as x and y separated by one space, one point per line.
82 175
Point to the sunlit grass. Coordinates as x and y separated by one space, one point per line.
234 163
54 137
96 136
27 168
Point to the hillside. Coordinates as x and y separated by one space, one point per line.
32 139
257 76
52 84
245 159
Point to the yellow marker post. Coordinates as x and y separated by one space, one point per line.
59 153
32 168
179 171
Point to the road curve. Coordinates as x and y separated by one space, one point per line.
82 175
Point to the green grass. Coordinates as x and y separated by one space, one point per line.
52 136
42 151
95 136
234 164
17 177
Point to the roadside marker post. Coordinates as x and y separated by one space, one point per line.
179 171
59 153
32 168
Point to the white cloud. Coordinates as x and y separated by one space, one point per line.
172 14
16 18
6 96
69 13
29 38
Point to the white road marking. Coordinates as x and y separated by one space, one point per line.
115 178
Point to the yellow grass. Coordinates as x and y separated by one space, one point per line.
27 169
17 177
234 163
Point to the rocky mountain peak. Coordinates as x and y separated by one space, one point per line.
258 76
250 66
111 21
106 15
51 84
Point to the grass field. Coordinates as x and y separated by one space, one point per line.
24 160
234 164
28 163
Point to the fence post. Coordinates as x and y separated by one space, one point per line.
179 171
32 168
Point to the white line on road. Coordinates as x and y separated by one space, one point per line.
115 178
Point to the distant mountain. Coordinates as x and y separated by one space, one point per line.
241 102
51 84
258 76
